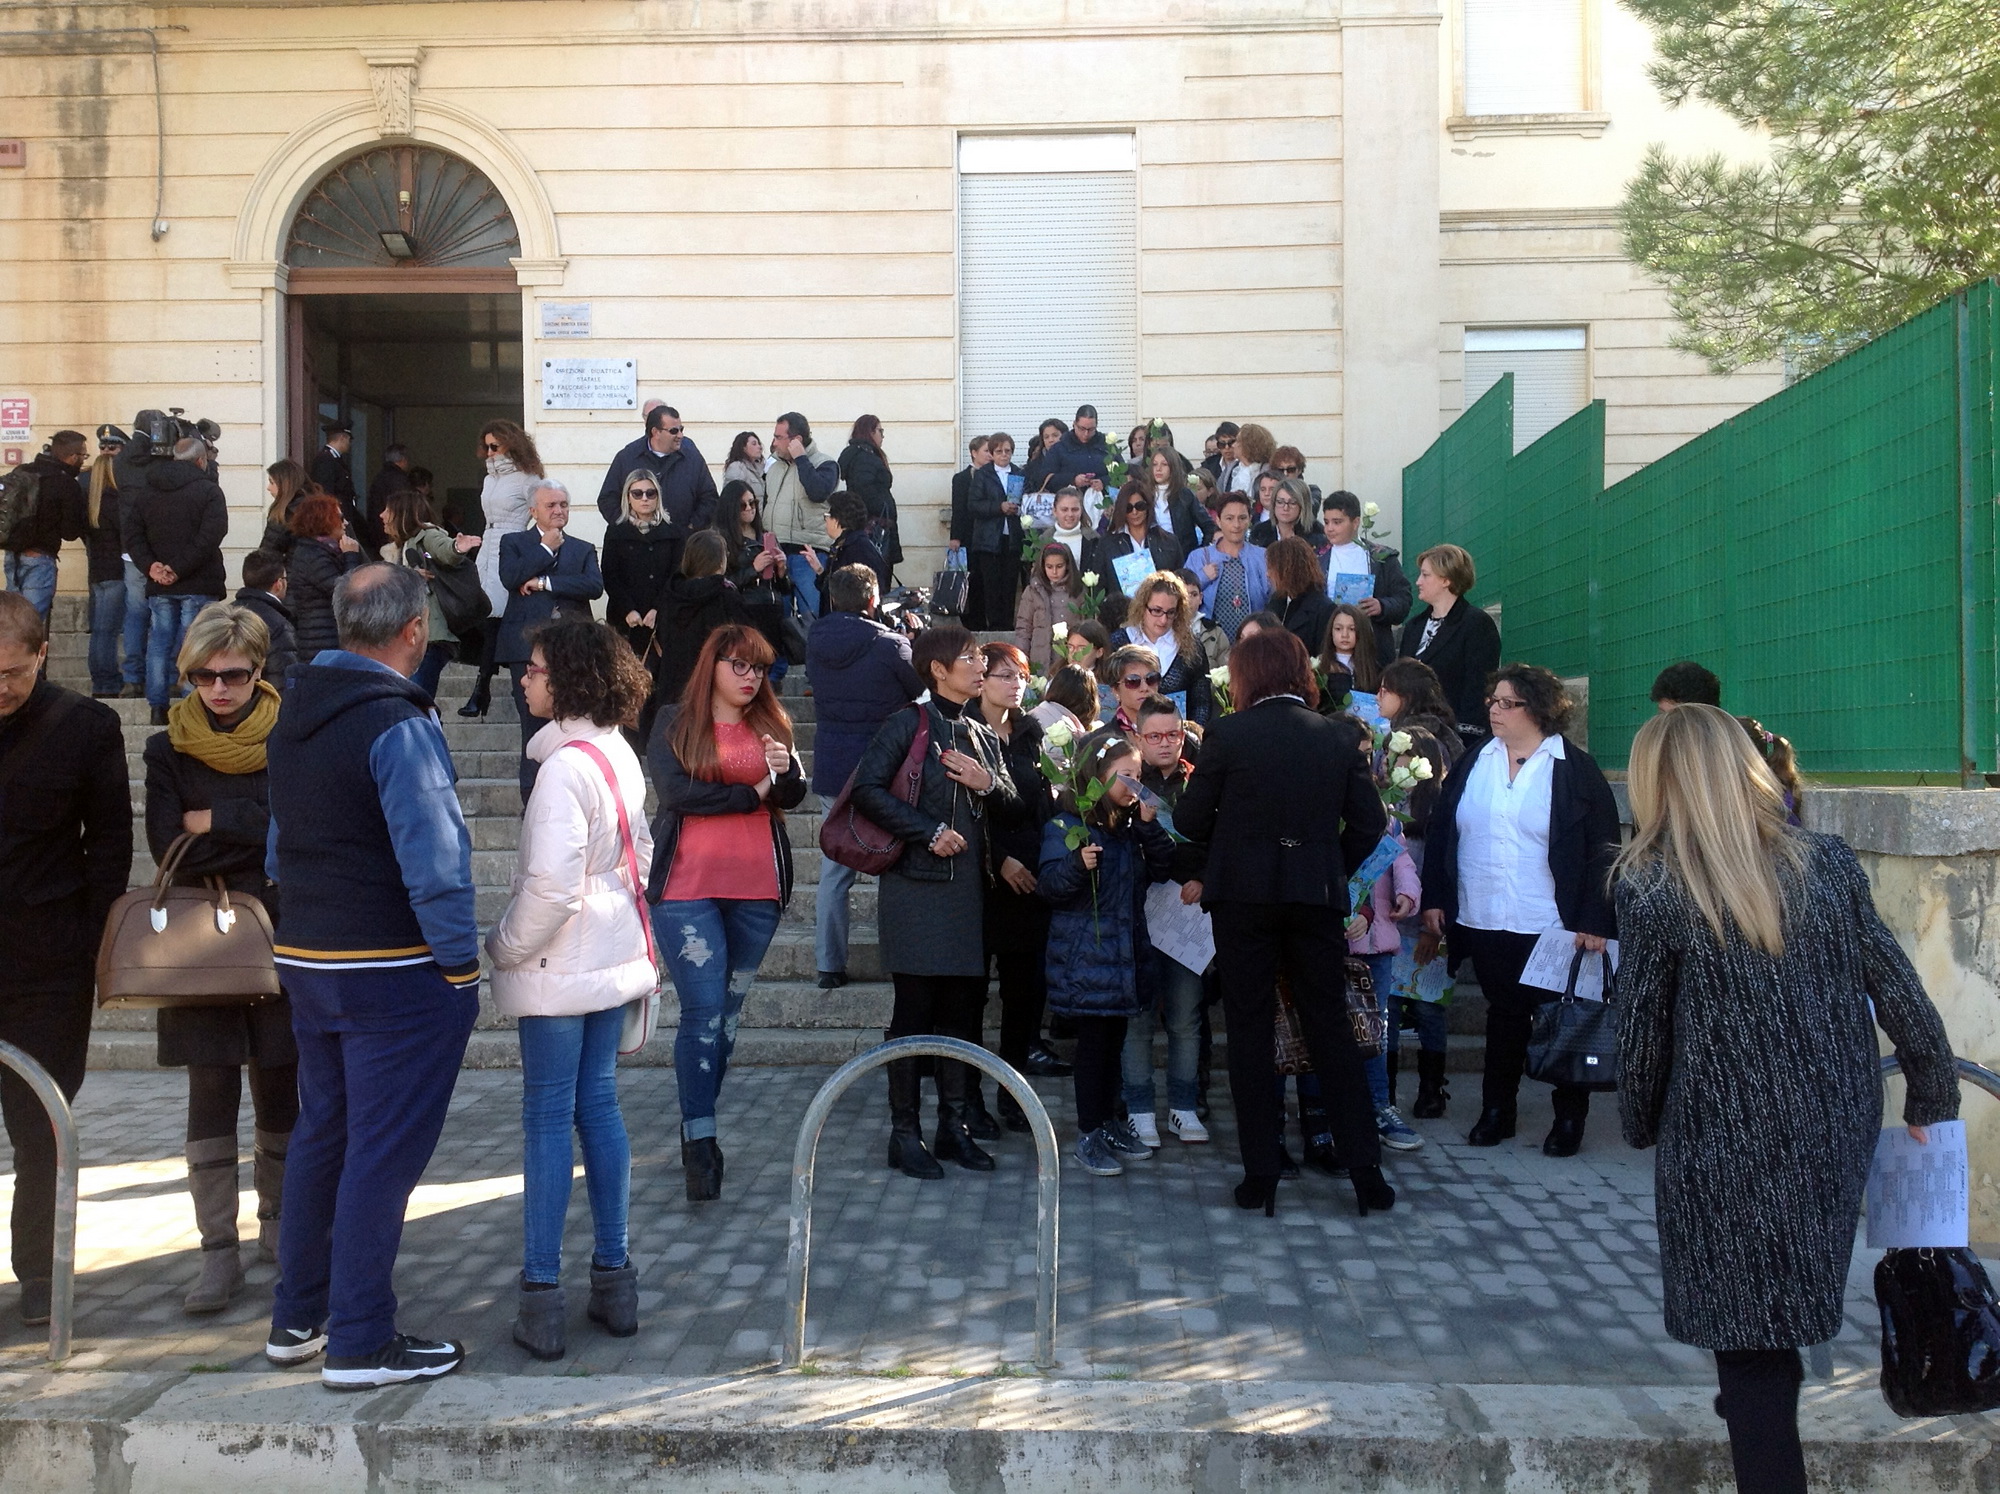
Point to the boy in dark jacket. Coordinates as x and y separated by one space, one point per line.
264 594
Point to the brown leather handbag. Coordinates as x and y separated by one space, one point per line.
168 946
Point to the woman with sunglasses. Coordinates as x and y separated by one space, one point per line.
932 904
206 777
725 772
1522 841
513 469
640 553
1136 530
1163 618
755 569
1135 679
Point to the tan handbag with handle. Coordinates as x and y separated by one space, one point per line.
185 946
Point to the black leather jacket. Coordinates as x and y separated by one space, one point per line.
940 800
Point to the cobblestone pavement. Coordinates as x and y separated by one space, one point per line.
1495 1266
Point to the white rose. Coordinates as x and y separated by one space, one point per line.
1060 631
1219 676
1370 510
1399 742
1421 770
1059 733
1400 778
1090 578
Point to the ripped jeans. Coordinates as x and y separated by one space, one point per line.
712 947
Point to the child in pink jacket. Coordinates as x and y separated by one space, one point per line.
1393 896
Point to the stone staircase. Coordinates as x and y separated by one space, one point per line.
786 1018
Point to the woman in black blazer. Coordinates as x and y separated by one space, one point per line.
1459 641
1284 799
1522 839
1135 527
1298 592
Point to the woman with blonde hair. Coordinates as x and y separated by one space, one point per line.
513 472
1755 973
103 539
1162 620
206 777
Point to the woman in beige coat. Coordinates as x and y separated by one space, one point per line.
573 948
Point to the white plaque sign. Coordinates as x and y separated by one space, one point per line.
590 384
565 318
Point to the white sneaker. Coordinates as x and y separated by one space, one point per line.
1148 1132
1187 1125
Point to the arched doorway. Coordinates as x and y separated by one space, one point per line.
404 316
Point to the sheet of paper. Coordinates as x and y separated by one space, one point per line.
1548 965
1364 706
1919 1195
1179 931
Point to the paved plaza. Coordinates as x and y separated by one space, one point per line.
1496 1266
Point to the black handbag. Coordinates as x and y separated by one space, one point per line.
461 599
1940 1333
949 590
1575 1042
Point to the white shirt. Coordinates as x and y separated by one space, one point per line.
1504 881
1241 477
1168 648
1163 495
1349 559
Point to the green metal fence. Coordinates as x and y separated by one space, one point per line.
1828 552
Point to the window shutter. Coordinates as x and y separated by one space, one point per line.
1523 56
1047 300
1551 373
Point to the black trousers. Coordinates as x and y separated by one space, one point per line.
1498 958
944 1005
1760 1401
1253 943
53 1028
215 1091
529 726
999 576
1017 931
1099 1042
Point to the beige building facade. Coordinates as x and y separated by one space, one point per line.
1335 217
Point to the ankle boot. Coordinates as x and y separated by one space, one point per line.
614 1299
1495 1125
482 696
541 1321
212 1183
1012 1116
267 1168
954 1141
979 1120
1431 1090
907 1152
702 1161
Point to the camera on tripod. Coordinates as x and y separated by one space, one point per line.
155 433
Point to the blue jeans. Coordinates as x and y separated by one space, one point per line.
1180 1010
34 577
569 1080
1380 967
107 626
805 584
170 619
1431 1022
379 1052
712 947
432 669
831 916
138 621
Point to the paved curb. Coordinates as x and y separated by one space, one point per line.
769 1433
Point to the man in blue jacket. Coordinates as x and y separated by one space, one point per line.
687 491
860 675
380 955
1081 461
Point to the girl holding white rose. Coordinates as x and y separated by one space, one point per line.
1051 603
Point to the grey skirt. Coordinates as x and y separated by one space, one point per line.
933 928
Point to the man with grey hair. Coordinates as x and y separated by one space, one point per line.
174 532
548 575
380 954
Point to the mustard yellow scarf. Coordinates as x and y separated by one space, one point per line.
240 750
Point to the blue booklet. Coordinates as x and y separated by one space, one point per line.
1349 588
1131 570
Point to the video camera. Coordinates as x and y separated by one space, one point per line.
907 608
156 432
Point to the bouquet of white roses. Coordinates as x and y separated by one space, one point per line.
1218 685
1399 768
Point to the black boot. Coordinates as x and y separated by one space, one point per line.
954 1141
1012 1116
907 1153
1431 1090
979 1121
482 697
1393 1061
702 1161
1495 1125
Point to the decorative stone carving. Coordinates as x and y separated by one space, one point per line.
392 77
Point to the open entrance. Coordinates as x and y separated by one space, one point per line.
404 319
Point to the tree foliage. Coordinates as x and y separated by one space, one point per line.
1881 194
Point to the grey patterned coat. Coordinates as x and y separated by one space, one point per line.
1758 1078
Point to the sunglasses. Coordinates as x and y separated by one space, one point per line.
1288 471
672 430
743 669
1134 681
235 679
645 492
489 446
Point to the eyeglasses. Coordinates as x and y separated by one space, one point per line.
1003 676
235 679
489 446
743 669
1134 681
1161 738
21 672
1163 613
979 659
1504 703
535 671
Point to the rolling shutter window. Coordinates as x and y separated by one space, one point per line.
1551 372
1523 56
1047 293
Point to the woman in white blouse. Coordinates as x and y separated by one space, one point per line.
1522 841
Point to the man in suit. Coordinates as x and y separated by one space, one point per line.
547 575
687 491
333 472
1284 800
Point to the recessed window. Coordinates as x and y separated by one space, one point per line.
1048 265
1551 370
1524 57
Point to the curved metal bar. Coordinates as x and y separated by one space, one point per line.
1048 1181
1978 1073
63 1286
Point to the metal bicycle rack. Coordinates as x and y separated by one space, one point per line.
1978 1074
63 1286
1048 1194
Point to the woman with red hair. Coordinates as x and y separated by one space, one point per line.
725 772
322 552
